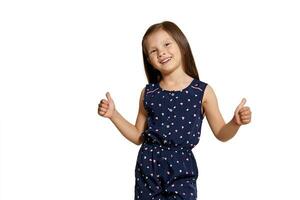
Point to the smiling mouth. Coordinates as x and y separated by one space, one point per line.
165 61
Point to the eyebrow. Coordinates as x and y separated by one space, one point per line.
166 40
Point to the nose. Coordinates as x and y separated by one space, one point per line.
161 53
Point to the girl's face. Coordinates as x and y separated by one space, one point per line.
163 52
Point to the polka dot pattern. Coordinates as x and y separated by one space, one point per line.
166 167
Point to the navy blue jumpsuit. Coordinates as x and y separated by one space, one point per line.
166 167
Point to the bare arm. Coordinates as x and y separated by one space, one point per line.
141 120
131 132
222 131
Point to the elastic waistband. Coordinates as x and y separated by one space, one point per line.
166 147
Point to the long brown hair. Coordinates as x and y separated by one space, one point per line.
153 75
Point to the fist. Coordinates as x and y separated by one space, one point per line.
242 114
106 108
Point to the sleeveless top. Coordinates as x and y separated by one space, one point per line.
174 116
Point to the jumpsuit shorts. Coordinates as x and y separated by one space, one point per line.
166 167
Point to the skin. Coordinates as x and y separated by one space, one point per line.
161 46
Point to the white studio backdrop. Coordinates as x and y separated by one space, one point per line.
59 58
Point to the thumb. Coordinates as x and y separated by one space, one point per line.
108 96
242 103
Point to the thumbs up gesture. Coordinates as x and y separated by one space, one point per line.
242 114
106 108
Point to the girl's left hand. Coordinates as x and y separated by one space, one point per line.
242 115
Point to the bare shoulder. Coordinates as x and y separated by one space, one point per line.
141 102
210 100
143 93
143 90
213 114
141 120
208 93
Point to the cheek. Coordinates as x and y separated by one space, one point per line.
153 62
178 55
151 59
175 51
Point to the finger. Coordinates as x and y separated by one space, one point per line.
244 108
102 113
242 103
104 101
245 117
240 106
245 112
102 109
108 96
103 105
246 121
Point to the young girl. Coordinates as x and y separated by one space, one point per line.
171 109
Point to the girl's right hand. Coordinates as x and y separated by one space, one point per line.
106 108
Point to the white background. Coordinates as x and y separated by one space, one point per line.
59 58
